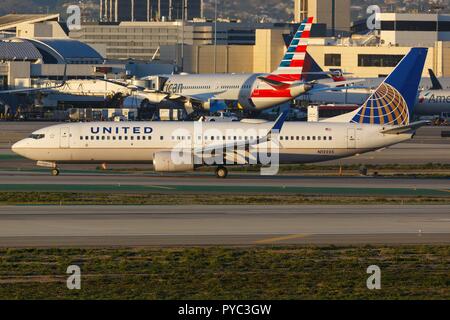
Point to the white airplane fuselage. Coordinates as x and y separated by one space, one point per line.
429 102
433 102
249 91
139 142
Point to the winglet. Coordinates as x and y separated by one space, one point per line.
280 120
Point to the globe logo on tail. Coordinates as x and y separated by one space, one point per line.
385 106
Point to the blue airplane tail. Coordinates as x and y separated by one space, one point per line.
393 101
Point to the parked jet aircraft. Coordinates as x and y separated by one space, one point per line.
43 89
432 102
251 91
383 120
435 101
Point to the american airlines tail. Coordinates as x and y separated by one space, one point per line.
393 101
291 67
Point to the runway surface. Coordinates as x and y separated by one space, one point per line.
235 184
221 225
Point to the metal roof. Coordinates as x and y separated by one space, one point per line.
72 49
10 50
65 50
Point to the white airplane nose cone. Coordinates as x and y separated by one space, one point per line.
17 148
14 147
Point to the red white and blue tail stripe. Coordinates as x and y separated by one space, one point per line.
291 67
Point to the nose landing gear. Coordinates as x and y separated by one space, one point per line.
55 172
221 172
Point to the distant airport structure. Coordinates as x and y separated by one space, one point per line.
150 10
335 14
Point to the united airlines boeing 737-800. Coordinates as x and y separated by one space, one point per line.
383 120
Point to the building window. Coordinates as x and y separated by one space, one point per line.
332 60
378 60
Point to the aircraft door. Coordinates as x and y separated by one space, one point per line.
351 138
64 138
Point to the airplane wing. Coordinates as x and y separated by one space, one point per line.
200 99
276 128
403 129
30 90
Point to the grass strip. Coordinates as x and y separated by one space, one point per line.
278 272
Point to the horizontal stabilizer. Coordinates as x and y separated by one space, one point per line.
403 129
273 83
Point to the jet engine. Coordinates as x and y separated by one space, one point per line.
154 97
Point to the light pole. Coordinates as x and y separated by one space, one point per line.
215 36
183 16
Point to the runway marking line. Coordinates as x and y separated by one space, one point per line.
160 187
284 238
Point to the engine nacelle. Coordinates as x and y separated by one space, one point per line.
154 97
162 162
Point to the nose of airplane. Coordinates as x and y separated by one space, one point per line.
16 147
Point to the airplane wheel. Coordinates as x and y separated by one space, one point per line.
55 172
221 172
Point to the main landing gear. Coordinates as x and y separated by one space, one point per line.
55 172
221 172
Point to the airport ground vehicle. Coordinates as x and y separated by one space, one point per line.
221 117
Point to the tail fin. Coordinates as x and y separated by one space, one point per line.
290 68
436 84
393 101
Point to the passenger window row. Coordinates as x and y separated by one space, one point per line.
213 138
307 138
206 138
138 138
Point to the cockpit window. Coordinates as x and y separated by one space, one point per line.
37 136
